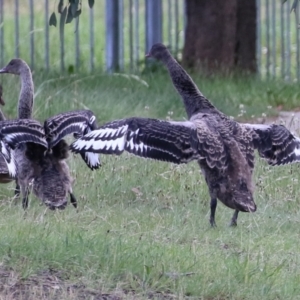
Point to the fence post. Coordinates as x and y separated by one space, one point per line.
268 39
92 40
258 37
112 35
46 35
288 42
77 44
121 35
17 52
137 38
282 32
131 35
31 29
153 23
176 29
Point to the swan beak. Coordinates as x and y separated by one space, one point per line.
3 70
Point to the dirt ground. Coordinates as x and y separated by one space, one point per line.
49 284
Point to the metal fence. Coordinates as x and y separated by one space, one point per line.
115 35
278 40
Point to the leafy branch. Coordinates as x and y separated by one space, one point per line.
68 12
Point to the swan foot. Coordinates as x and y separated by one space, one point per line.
73 200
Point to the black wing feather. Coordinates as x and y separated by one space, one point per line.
78 123
276 144
149 138
15 132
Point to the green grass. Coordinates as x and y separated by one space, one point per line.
149 95
141 229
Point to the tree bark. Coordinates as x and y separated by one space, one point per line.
220 35
245 54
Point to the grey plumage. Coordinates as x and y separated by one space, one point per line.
46 151
41 167
19 67
223 148
25 104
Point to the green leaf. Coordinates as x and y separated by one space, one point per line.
91 3
60 6
78 12
53 20
70 15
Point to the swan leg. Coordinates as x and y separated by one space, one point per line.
73 200
25 198
234 218
17 190
213 206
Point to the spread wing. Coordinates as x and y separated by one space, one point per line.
78 123
149 138
15 132
275 143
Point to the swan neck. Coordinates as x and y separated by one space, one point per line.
26 94
193 99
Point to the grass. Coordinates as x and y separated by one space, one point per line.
141 230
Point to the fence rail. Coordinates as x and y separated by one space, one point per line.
115 35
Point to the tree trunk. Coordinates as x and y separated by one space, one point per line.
220 35
245 54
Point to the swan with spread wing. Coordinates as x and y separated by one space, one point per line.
223 148
32 161
44 169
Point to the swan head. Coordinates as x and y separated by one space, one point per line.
15 66
158 51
